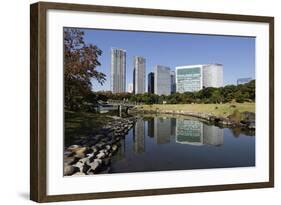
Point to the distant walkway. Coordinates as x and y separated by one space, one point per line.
120 105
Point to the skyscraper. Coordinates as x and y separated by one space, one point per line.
118 70
173 82
162 80
139 75
130 88
194 77
150 84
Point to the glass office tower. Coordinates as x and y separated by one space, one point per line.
150 84
189 78
194 77
162 80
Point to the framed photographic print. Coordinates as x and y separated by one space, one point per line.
134 102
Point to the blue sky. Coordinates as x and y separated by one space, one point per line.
237 54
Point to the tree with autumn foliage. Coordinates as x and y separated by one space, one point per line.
80 66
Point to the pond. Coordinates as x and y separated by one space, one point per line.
162 143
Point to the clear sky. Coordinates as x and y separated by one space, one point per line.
237 54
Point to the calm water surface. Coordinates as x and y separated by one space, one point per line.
159 143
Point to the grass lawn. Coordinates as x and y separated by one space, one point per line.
83 123
221 110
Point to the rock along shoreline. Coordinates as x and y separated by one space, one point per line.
248 123
94 155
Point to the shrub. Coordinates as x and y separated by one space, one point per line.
235 116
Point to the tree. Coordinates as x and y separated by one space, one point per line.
229 93
80 66
216 96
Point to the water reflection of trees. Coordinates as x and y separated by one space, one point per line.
237 131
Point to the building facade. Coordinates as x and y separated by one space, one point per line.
189 78
213 75
139 75
193 78
162 80
118 70
150 83
241 81
173 82
130 88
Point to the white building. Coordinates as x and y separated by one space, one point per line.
213 75
130 88
194 77
139 75
118 70
162 80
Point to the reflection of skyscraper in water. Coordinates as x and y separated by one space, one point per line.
139 136
194 132
213 135
173 128
150 127
189 132
162 130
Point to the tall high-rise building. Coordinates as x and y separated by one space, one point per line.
118 70
130 88
194 77
150 84
173 82
162 80
243 80
139 75
213 75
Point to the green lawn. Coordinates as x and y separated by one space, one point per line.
222 110
78 124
